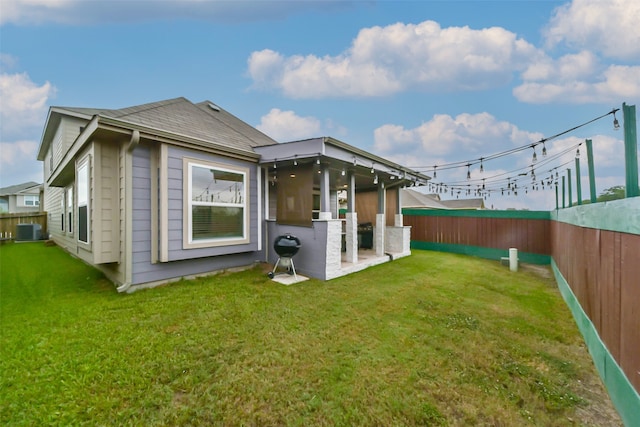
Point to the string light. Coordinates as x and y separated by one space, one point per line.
375 179
492 182
534 159
616 124
454 165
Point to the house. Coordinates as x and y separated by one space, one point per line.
21 198
171 189
416 200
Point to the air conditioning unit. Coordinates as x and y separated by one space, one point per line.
28 232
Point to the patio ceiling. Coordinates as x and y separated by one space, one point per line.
341 160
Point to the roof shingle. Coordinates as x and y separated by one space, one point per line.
182 117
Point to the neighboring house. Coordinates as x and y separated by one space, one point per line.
172 189
416 200
21 198
464 204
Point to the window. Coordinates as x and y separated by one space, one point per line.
31 200
62 210
82 178
216 205
69 202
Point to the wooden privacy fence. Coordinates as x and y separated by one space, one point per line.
488 234
10 221
595 254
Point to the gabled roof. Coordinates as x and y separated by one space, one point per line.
180 117
477 203
416 199
18 188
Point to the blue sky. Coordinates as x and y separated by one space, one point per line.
422 83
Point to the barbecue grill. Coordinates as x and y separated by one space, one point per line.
286 246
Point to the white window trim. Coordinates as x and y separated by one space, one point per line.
68 209
34 198
76 218
188 243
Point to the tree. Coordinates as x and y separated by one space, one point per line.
612 193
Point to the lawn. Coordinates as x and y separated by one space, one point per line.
432 339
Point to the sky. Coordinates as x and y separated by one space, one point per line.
421 83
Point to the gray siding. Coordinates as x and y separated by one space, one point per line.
311 259
53 202
183 262
106 204
65 135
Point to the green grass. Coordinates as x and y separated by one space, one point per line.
433 339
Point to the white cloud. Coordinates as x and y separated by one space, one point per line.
567 67
446 135
24 104
608 27
386 60
86 12
14 152
19 11
287 126
7 61
615 83
22 113
608 152
18 163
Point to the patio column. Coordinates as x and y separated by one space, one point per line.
398 222
325 194
351 223
380 220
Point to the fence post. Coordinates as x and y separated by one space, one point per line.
630 150
563 191
569 185
592 174
578 183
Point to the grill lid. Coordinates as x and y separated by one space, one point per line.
286 245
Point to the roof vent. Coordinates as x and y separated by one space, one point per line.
214 107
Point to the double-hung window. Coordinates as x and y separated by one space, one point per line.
216 206
31 200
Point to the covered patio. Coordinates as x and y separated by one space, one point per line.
342 202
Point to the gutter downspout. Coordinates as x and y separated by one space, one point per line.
123 288
134 141
128 205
